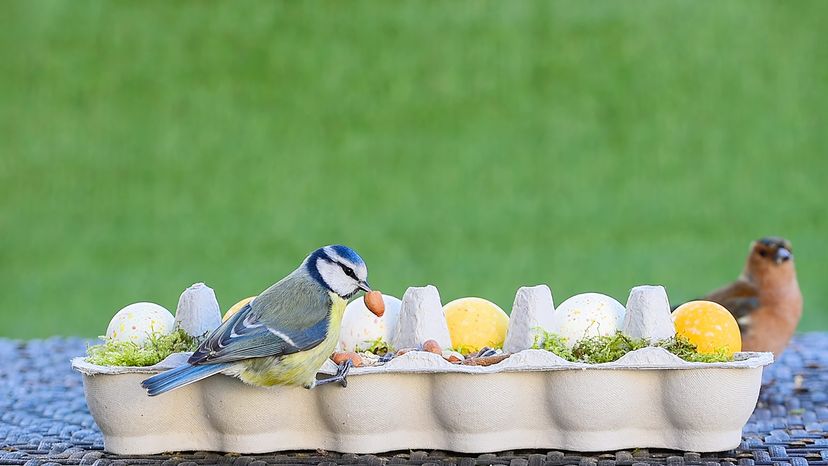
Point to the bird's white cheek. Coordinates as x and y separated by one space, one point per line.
336 279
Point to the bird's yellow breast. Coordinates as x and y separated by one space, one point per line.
297 368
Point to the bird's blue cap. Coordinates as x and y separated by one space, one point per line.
347 253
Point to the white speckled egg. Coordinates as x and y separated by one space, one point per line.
136 321
360 327
587 315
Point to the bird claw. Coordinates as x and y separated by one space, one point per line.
341 375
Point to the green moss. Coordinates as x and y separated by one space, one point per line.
553 343
154 350
609 348
596 350
683 348
379 347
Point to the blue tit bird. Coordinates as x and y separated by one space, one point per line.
285 335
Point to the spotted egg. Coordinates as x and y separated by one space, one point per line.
587 315
709 326
137 321
361 328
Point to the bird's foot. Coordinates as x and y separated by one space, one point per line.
341 375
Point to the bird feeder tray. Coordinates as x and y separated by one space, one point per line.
649 398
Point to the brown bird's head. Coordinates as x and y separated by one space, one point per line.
773 249
770 255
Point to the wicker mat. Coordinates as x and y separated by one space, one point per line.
44 421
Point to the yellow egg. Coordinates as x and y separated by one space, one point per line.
709 326
474 323
237 307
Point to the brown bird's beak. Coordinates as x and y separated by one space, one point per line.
782 254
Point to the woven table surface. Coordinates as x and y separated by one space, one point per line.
44 421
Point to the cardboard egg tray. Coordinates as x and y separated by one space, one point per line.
533 399
649 398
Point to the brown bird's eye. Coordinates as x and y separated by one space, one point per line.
763 253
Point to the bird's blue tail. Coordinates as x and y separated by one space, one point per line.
179 376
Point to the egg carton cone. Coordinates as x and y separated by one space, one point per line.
421 319
534 399
648 314
198 311
531 313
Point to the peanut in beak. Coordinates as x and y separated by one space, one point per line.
375 303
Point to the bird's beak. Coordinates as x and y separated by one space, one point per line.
782 254
364 286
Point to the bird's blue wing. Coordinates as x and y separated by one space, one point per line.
286 318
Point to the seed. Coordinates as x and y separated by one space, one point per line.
432 347
375 303
340 357
487 360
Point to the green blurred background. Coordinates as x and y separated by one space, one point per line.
477 146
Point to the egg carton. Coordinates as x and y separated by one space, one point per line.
533 399
649 398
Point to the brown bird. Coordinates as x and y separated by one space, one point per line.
765 300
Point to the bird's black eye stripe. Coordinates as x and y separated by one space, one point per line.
348 271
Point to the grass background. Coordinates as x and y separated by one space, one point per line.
478 146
